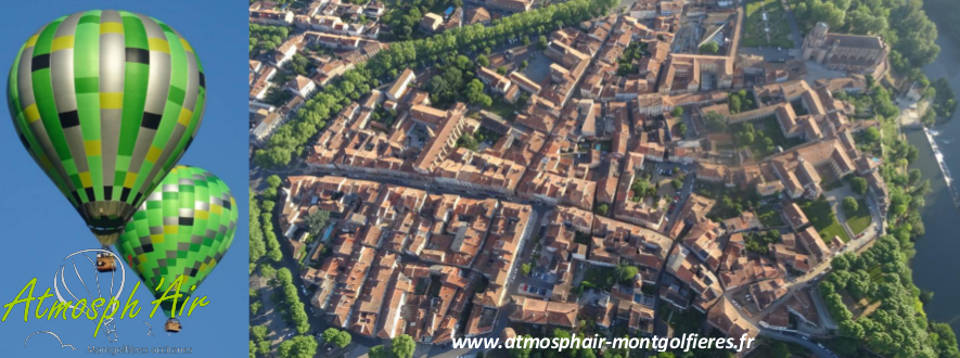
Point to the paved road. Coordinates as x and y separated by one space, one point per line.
818 350
795 34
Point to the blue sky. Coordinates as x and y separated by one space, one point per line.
41 227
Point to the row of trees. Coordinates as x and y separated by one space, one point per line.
263 239
259 345
289 299
336 337
898 327
401 347
881 275
301 346
263 243
289 139
256 244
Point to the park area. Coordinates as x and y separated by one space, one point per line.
859 220
823 219
766 25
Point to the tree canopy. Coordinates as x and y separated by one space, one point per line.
290 138
298 347
912 36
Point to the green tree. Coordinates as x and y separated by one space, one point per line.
378 352
258 332
871 135
677 111
403 346
714 121
676 183
602 209
298 347
291 138
274 181
542 42
467 140
525 268
626 273
257 248
337 337
475 95
710 48
850 205
267 271
316 222
858 185
641 188
482 60
267 205
735 104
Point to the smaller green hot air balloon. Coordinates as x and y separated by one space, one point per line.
183 228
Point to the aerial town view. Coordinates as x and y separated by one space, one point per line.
429 170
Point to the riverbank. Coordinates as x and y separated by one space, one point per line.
935 263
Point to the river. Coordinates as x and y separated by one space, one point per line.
936 264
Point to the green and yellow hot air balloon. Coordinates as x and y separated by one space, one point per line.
183 228
106 102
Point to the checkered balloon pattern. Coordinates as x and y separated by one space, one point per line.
106 102
183 228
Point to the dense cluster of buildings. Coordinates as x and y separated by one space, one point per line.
345 32
399 260
582 140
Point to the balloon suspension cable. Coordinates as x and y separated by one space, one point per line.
59 279
109 324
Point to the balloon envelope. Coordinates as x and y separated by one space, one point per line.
183 228
106 102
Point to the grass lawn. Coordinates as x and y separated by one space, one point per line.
859 220
599 277
823 219
504 109
753 29
832 230
771 129
888 129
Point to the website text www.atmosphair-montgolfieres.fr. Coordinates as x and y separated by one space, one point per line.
100 309
685 343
